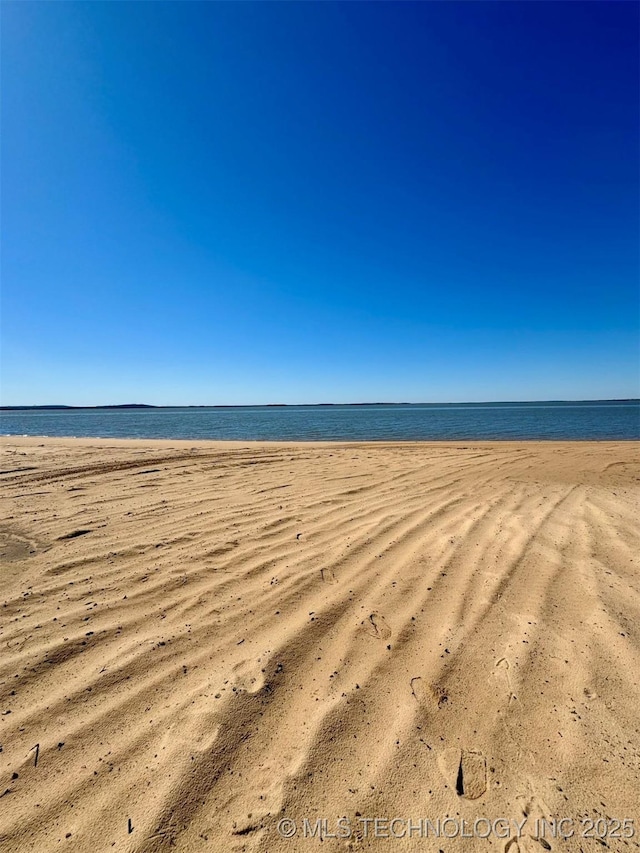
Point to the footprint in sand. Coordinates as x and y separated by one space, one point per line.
377 627
328 576
471 781
465 770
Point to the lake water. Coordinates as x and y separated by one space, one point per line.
593 420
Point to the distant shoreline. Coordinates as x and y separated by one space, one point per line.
137 406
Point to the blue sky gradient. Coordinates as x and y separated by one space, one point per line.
302 202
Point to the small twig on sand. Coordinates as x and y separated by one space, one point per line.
37 749
129 826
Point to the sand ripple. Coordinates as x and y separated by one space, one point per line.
199 640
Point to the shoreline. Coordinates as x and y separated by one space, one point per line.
219 443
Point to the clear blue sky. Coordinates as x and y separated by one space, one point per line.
301 202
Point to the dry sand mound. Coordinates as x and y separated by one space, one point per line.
199 641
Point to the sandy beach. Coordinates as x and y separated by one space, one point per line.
205 645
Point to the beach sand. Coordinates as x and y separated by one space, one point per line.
199 640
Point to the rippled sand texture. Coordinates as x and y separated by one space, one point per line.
200 640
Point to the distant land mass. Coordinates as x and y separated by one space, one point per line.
64 407
109 406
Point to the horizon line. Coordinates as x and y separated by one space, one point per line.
65 406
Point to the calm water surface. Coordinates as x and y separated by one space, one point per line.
605 420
